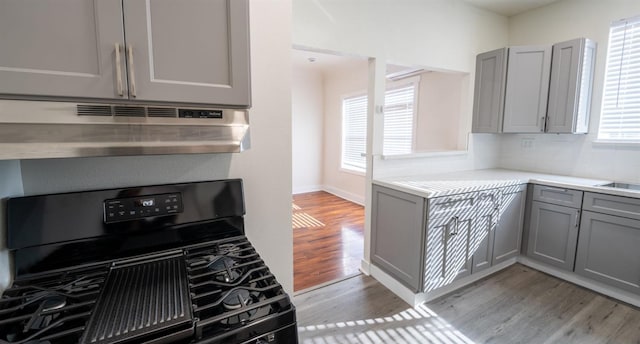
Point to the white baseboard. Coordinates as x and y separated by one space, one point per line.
307 188
394 286
415 300
365 267
349 196
432 295
574 278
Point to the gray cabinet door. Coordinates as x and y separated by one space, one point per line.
447 251
608 250
191 51
482 233
483 251
572 68
488 100
553 234
508 232
61 48
527 89
397 229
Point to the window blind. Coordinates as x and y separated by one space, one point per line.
620 118
354 133
399 119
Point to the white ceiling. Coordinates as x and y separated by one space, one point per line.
509 7
322 62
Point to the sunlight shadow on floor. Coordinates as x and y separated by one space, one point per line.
413 325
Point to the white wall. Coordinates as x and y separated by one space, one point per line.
344 80
573 154
10 186
307 98
445 34
265 168
439 111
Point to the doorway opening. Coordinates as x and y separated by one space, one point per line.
329 123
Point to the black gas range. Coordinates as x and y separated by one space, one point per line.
152 264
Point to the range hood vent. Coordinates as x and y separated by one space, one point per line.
94 110
39 129
129 111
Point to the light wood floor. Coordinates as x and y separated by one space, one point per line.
328 239
516 305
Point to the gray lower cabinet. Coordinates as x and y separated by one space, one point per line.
397 229
553 234
508 231
481 240
447 253
190 51
609 250
426 244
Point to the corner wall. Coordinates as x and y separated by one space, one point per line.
307 97
574 155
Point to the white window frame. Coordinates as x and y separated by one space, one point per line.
415 81
617 82
346 165
360 169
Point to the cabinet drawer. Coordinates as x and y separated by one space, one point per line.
612 205
559 196
442 208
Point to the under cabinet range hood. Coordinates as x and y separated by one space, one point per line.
39 129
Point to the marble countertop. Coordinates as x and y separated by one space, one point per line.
437 185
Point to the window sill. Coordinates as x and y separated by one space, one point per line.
355 172
616 144
425 155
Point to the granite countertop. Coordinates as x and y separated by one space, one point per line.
437 185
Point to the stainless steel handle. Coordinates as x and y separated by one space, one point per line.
132 74
455 226
119 71
577 218
542 123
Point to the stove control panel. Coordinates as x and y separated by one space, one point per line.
134 208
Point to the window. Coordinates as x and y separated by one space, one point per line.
620 118
354 133
399 114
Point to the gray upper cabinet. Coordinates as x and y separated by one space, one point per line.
397 228
61 48
527 89
190 51
508 232
572 69
608 250
194 50
534 89
488 100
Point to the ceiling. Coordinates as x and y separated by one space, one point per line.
322 61
509 7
